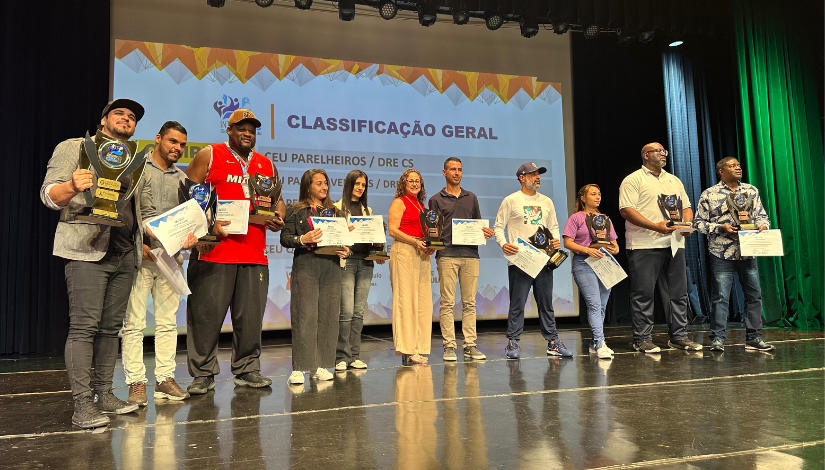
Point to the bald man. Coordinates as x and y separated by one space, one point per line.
648 240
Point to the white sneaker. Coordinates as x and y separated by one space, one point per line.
296 378
341 366
323 374
604 344
604 352
358 364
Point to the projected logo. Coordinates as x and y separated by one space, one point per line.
226 106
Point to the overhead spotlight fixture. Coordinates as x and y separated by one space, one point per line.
387 9
529 25
646 36
625 36
461 17
493 20
301 4
676 40
346 10
560 27
215 3
591 31
266 3
427 13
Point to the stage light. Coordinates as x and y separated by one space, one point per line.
493 20
591 31
387 9
346 10
303 4
427 13
676 40
461 17
529 25
215 3
646 36
625 36
266 3
560 27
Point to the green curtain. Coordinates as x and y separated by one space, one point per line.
783 157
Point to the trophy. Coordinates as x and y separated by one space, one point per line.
204 194
378 250
432 222
598 225
741 208
671 207
265 192
541 240
113 161
329 249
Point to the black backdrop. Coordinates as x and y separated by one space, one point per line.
47 94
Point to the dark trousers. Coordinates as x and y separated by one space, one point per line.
356 280
217 287
314 308
520 284
98 295
723 274
648 266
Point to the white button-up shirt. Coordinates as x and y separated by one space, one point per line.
640 190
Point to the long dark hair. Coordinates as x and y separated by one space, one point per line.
347 203
582 193
303 194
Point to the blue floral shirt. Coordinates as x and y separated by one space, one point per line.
713 213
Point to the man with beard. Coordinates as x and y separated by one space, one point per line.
457 263
163 177
234 273
648 239
521 213
100 265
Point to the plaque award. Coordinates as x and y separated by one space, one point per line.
432 222
329 249
113 161
204 194
671 207
541 240
741 208
265 192
598 225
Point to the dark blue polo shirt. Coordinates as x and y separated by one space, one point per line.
465 206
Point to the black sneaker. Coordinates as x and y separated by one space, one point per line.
252 379
87 415
758 344
201 385
109 403
684 343
646 347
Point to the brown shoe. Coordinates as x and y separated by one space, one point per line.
170 390
137 394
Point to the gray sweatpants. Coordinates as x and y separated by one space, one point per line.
314 310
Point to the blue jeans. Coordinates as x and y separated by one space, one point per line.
594 293
723 273
356 279
520 284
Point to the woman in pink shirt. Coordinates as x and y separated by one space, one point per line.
582 241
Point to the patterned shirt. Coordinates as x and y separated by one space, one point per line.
713 213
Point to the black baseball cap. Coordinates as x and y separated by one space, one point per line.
529 168
131 105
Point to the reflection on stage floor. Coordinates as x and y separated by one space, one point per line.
676 409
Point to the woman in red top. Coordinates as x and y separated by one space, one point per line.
412 296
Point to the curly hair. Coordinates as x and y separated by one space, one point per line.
401 187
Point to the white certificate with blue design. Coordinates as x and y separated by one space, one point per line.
368 229
764 243
529 259
173 226
607 269
334 231
468 231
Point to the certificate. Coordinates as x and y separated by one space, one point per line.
236 213
468 231
677 240
334 231
368 229
607 269
529 259
764 243
173 226
172 272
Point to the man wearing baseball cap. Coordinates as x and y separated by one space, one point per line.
100 264
521 213
235 273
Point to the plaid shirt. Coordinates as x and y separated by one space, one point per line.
713 213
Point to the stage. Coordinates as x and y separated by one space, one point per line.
676 409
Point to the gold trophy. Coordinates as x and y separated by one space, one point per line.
741 208
671 207
432 222
541 240
265 192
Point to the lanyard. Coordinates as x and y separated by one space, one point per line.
240 160
416 203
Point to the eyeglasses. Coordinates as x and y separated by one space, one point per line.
661 152
413 181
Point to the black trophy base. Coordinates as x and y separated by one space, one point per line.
557 258
679 224
435 245
260 217
377 255
208 240
101 220
328 250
